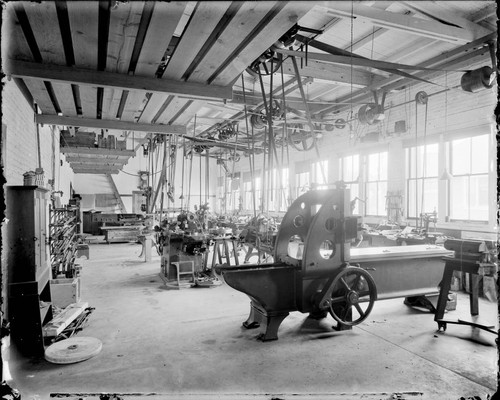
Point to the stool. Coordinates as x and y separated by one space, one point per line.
474 269
226 254
82 250
183 268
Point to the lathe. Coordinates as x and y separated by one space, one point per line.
314 271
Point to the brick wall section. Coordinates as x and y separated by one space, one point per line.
21 150
21 144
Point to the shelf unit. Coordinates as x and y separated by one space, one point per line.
63 241
28 266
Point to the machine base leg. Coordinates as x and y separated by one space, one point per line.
253 319
273 323
320 314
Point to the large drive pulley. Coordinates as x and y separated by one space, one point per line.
353 295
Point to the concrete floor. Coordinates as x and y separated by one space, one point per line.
185 343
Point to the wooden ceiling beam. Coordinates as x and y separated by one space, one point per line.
109 124
390 20
96 161
87 77
438 12
335 73
97 171
97 151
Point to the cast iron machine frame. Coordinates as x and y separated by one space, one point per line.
319 281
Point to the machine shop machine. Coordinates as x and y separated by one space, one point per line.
314 270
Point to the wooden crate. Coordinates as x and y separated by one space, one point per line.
65 291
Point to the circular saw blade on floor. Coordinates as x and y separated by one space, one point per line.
73 350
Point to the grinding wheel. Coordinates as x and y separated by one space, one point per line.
73 350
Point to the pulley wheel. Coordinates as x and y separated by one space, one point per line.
366 114
300 139
340 123
353 295
73 350
421 97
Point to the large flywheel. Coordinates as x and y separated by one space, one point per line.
353 295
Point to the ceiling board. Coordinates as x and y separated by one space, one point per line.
164 20
110 102
202 23
40 95
88 101
14 43
123 26
83 19
64 95
281 23
246 19
45 26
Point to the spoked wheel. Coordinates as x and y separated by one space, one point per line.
301 138
353 295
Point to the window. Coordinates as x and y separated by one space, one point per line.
469 185
279 191
320 174
349 173
422 179
302 178
376 183
233 193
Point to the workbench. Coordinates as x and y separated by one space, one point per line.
122 233
403 271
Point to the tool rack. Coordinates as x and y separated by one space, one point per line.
63 241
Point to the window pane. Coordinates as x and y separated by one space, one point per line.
430 199
383 167
479 154
382 192
432 160
373 167
354 189
479 198
355 168
411 198
459 198
371 202
460 156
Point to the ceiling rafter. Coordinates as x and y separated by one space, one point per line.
390 20
109 124
86 77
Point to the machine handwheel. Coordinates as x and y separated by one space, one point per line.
353 295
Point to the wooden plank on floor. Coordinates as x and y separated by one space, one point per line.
123 27
40 95
45 26
88 101
68 315
83 20
280 24
164 20
245 20
64 95
202 23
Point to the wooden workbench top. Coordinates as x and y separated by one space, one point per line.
398 252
